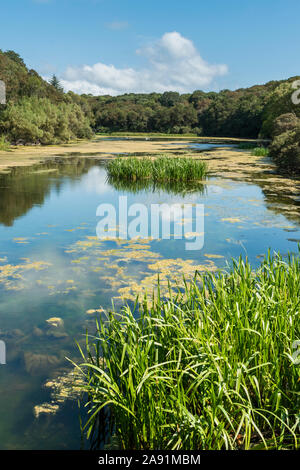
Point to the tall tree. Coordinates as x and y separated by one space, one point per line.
56 83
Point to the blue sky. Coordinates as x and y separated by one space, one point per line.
114 46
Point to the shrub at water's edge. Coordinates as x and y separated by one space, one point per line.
285 147
212 368
4 145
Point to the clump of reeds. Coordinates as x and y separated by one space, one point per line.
212 368
159 169
260 152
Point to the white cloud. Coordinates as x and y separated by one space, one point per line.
173 64
95 181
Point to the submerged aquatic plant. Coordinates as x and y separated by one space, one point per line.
210 368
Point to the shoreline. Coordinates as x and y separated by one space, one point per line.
32 154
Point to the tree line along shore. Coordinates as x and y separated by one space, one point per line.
40 112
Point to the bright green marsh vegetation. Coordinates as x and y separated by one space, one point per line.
256 151
211 367
260 152
160 169
4 145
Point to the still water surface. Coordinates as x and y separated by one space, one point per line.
53 265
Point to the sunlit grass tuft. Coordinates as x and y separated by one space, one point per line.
260 152
159 169
4 145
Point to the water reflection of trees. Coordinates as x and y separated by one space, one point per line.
280 199
25 187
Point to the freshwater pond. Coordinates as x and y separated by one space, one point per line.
53 266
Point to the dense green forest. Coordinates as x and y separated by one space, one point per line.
40 112
36 111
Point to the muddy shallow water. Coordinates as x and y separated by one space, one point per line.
56 275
